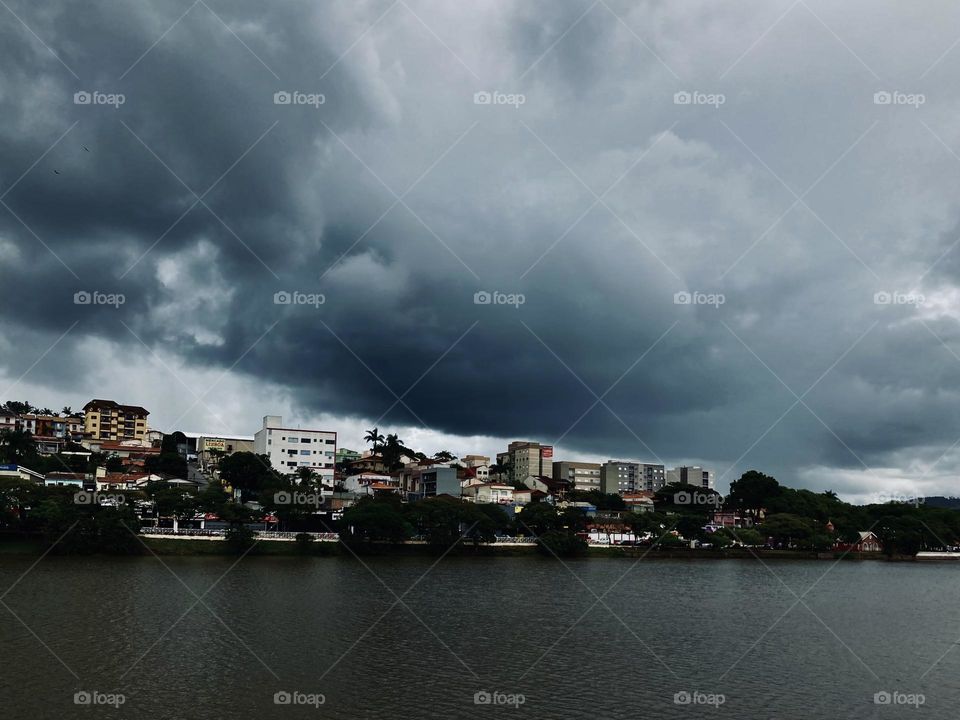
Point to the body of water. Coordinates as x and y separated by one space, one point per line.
419 638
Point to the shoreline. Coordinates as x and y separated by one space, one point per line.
187 547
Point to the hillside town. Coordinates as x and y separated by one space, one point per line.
288 483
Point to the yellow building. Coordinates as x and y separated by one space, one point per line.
109 420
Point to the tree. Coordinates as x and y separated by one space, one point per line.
498 470
114 464
373 519
248 472
392 449
538 518
18 407
444 456
67 411
17 446
753 492
561 543
239 538
375 439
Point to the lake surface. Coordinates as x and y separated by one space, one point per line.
530 627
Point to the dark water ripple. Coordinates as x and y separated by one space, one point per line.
529 626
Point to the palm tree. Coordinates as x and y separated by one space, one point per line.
67 411
444 456
374 438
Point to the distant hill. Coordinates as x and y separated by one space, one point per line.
939 501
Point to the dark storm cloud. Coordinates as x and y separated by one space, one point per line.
501 198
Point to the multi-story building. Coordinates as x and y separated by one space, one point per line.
694 475
429 480
621 476
525 459
472 461
345 455
290 449
109 420
582 476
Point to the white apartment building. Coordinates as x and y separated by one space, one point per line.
694 475
620 476
290 449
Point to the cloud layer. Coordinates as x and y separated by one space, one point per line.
780 163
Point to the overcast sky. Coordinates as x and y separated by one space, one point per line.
780 162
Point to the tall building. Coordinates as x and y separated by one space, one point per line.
620 476
527 458
694 475
290 449
582 476
109 420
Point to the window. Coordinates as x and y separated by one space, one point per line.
304 452
304 440
329 442
293 439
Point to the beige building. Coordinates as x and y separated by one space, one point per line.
582 476
525 459
109 420
472 461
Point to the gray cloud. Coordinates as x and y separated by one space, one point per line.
495 197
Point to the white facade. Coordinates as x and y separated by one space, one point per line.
290 449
